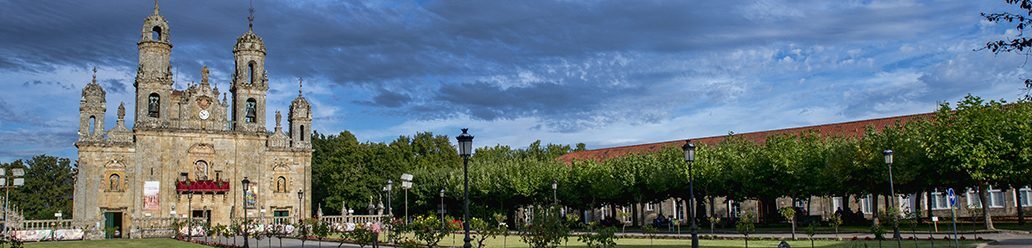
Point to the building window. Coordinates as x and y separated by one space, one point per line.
649 207
153 105
302 133
250 72
93 124
734 208
836 204
251 110
156 33
281 184
866 204
996 198
114 183
973 201
679 210
1025 192
938 201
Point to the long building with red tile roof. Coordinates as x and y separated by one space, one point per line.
842 129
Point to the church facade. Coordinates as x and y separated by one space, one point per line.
189 150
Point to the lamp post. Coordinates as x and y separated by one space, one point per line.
555 186
892 190
689 156
406 184
465 150
8 181
442 210
189 212
300 206
244 184
389 188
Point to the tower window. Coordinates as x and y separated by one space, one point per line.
302 133
93 124
156 33
251 111
153 105
250 72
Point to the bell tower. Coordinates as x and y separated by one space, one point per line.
250 82
300 121
154 72
92 107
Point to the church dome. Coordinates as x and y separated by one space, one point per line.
93 90
249 41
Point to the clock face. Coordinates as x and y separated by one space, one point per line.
204 115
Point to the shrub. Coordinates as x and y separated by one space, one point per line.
546 229
604 238
428 230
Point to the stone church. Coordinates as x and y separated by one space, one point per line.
189 149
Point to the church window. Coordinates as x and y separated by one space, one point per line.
251 111
153 105
93 124
250 72
281 184
156 33
114 183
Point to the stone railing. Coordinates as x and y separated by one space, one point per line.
340 219
46 225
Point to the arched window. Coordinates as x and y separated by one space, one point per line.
156 33
302 133
281 184
114 184
153 105
251 111
93 124
250 72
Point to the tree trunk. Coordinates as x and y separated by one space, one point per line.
917 208
982 196
874 209
1021 212
634 214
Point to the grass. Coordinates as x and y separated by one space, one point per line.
514 241
944 227
115 243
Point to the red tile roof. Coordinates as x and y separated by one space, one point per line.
842 129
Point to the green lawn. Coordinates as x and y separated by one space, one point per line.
115 243
514 241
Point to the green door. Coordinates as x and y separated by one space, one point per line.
109 225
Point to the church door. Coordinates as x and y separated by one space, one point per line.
113 225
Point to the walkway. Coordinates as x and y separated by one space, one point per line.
287 243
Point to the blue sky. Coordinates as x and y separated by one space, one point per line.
604 73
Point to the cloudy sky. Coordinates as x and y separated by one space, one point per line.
604 73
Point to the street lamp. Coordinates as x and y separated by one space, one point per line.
189 211
465 150
406 183
689 156
389 188
442 209
300 205
8 181
555 186
244 184
892 190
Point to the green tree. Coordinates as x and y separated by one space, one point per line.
48 187
971 138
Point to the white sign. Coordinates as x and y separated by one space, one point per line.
935 218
